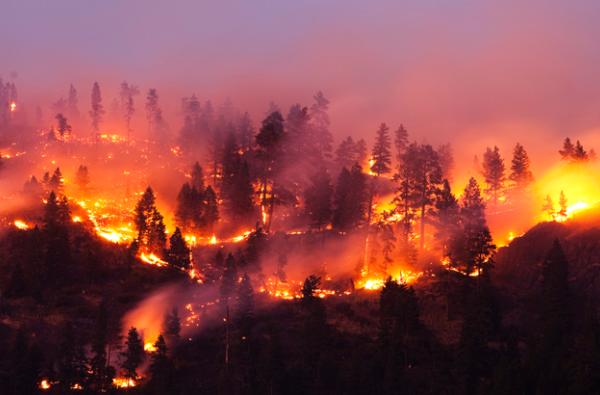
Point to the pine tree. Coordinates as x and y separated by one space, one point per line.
129 111
171 326
256 244
245 299
520 176
56 183
562 203
269 150
345 154
494 174
568 150
215 148
151 111
321 123
446 161
72 110
178 254
401 142
198 178
211 210
246 132
133 354
99 364
446 216
64 213
161 367
229 280
56 237
82 179
96 112
361 153
318 199
428 177
63 126
149 223
548 207
350 200
381 155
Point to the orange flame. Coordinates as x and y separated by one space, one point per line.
21 225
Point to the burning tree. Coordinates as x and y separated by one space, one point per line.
178 254
63 127
149 223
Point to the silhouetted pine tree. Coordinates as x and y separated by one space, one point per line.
350 200
446 161
493 170
320 118
211 210
245 299
96 112
178 254
100 370
381 155
133 354
345 154
318 199
161 368
520 176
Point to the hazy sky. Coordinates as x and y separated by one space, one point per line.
473 72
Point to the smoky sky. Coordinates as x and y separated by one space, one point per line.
475 73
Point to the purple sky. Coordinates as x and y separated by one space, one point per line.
472 72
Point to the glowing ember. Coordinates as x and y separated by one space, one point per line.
21 225
44 385
123 382
152 259
76 387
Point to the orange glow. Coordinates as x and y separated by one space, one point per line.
122 382
44 385
21 225
149 347
152 259
13 107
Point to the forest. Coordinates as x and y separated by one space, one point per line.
235 256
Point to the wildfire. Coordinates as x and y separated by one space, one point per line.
574 207
21 225
149 347
152 259
123 382
44 385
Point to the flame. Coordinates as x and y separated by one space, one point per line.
152 259
123 382
21 225
76 387
76 219
149 347
574 207
44 385
213 240
13 107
